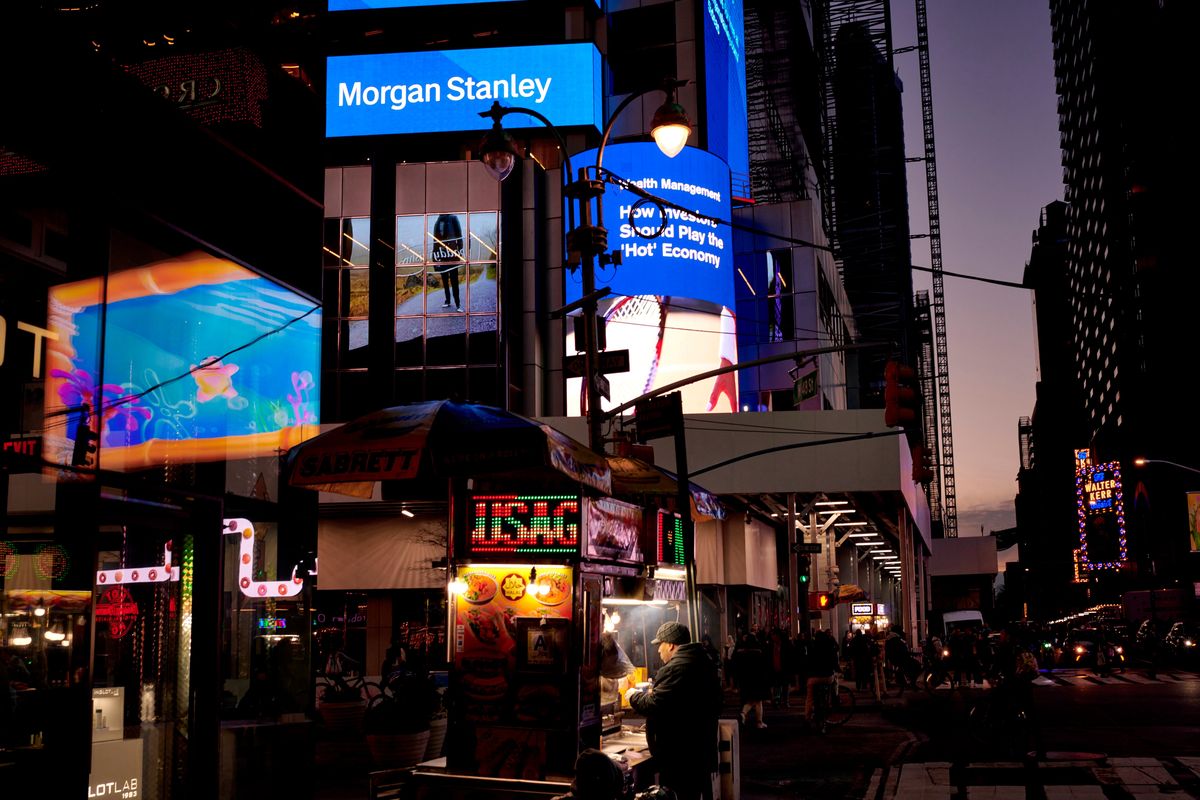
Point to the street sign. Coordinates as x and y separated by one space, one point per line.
607 362
805 387
806 547
602 387
659 416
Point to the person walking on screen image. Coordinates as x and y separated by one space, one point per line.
681 711
447 252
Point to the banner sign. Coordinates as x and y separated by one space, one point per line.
614 530
444 90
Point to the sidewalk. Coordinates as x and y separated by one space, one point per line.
1074 777
786 759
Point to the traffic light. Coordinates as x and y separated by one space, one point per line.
85 445
899 395
922 465
803 566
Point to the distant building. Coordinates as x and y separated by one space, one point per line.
1129 171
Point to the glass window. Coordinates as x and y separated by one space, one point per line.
347 289
447 292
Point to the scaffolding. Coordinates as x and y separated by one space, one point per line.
923 324
874 18
775 48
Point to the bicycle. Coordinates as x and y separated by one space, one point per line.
1000 720
833 705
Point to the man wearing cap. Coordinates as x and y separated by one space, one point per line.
681 713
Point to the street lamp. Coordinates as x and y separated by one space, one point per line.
670 128
1141 462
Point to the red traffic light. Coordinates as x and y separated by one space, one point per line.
899 395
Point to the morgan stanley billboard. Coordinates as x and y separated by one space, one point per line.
444 91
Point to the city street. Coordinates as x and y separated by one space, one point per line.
1119 736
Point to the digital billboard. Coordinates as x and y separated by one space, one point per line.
360 5
444 90
725 89
1101 511
673 293
203 360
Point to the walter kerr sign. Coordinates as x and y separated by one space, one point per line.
444 91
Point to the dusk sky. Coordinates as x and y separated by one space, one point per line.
995 123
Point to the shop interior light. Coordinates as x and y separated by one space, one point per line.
407 513
55 633
457 586
670 574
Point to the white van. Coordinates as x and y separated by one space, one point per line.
972 618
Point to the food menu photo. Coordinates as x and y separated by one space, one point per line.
496 607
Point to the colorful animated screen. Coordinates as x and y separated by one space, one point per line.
204 360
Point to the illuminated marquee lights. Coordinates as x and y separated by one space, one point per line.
527 524
249 586
1098 494
159 573
670 539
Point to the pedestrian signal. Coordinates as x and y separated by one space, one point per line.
821 601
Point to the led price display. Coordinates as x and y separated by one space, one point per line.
524 524
669 536
444 90
1100 508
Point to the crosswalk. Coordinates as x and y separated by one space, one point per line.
1087 678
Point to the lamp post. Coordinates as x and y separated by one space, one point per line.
589 240
1141 462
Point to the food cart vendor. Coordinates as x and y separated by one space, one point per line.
681 711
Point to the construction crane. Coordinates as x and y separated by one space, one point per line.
941 374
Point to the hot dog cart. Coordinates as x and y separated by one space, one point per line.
534 676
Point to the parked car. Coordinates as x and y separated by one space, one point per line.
1183 642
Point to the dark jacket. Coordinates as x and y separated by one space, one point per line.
681 712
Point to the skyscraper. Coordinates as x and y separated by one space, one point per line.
1128 171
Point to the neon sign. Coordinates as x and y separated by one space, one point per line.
272 624
1100 507
524 524
670 539
246 582
117 607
